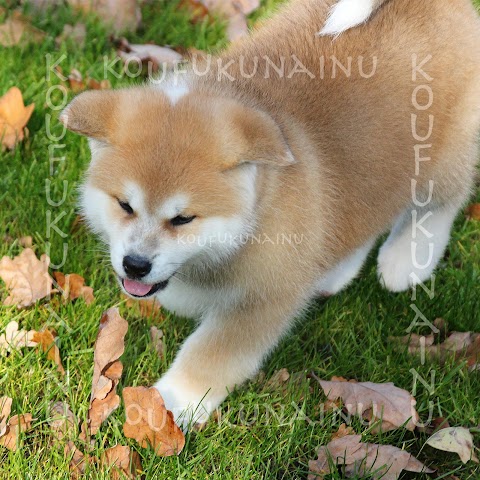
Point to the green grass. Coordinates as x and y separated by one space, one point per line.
345 335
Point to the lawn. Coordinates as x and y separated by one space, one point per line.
267 433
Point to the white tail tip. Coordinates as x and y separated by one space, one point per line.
347 14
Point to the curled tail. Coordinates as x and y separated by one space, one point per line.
347 14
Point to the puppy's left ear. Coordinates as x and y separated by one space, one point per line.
257 139
92 113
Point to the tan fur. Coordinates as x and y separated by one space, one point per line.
351 139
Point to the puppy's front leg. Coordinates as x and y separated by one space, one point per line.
224 351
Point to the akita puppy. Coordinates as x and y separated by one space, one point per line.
261 178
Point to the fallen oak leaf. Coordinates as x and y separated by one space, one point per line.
473 212
107 369
62 420
381 461
464 346
5 409
26 277
76 33
93 84
343 431
46 340
125 463
75 81
14 116
150 423
392 406
73 286
16 424
17 29
148 55
13 338
156 336
122 14
235 11
454 439
147 308
79 461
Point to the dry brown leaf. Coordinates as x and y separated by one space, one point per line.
454 439
150 56
26 242
343 431
277 380
62 420
464 346
26 277
125 462
150 423
147 308
235 11
93 84
14 116
383 402
473 212
157 339
122 14
197 10
18 29
16 424
382 461
5 409
75 81
46 340
107 369
13 338
79 461
77 33
73 287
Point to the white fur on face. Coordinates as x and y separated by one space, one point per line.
347 14
215 238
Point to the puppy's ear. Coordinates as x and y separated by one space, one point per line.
91 113
258 139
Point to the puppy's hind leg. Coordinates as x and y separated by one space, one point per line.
416 244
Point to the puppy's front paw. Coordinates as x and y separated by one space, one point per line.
187 405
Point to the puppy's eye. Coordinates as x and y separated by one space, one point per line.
181 220
125 206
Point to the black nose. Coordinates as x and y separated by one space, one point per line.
136 267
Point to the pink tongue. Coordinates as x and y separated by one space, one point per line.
136 288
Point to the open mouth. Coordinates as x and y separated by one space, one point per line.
142 290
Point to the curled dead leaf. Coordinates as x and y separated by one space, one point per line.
13 338
381 461
72 286
150 423
383 402
46 340
62 420
14 116
5 409
17 29
107 369
157 339
473 211
16 424
150 57
125 463
26 277
454 439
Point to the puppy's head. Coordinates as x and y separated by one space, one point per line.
172 181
